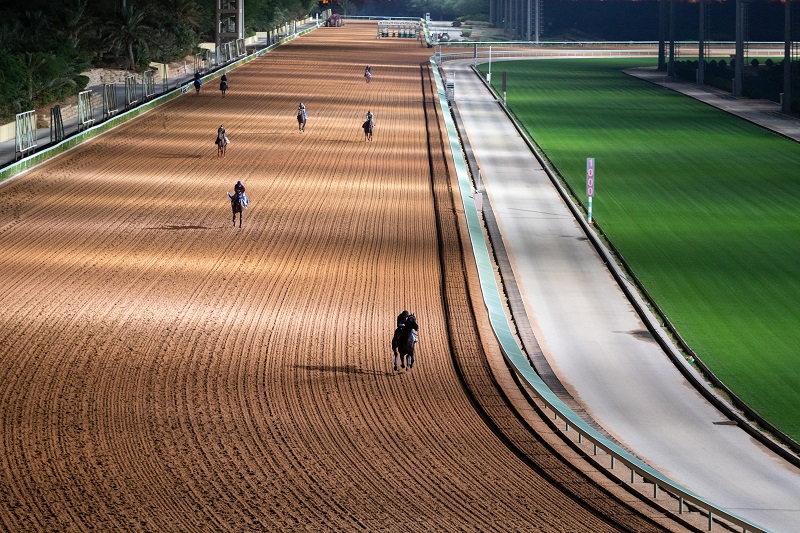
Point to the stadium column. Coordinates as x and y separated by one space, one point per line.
738 68
701 44
528 19
786 101
671 64
662 20
515 19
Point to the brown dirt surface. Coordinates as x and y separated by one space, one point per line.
162 370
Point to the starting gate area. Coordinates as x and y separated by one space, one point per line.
409 29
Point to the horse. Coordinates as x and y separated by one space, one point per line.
368 126
223 86
403 344
222 144
302 117
238 202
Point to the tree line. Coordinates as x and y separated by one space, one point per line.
46 45
439 9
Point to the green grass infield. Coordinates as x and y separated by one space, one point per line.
703 206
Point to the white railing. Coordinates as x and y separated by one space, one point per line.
453 50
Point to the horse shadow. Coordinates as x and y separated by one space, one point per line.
340 369
178 156
173 227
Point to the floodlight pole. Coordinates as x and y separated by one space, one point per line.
662 20
528 22
786 100
738 68
701 45
671 63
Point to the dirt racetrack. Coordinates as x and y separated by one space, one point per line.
161 370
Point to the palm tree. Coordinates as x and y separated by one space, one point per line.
184 10
75 21
347 7
127 30
44 73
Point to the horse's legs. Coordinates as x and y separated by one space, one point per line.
240 219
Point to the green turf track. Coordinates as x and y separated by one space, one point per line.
703 206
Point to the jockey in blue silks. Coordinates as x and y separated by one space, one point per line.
239 188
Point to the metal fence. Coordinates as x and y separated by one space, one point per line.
451 50
148 86
85 110
56 124
25 133
109 100
131 99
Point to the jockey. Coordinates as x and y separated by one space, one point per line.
301 109
406 320
371 118
239 188
222 135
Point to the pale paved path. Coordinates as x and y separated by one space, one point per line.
597 344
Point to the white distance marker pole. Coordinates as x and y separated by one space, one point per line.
489 75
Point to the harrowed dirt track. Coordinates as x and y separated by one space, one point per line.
161 370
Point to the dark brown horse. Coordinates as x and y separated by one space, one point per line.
368 126
238 203
222 143
403 343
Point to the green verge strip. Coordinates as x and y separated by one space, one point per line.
518 360
76 139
